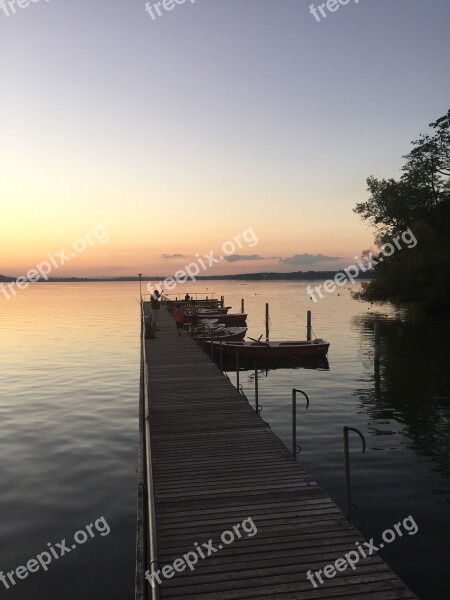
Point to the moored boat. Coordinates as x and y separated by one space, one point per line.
258 350
207 324
209 311
223 334
231 319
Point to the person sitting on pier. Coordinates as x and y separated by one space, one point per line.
179 319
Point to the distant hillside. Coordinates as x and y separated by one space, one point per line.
295 276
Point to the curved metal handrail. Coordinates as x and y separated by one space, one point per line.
348 499
296 449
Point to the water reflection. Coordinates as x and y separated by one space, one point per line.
411 380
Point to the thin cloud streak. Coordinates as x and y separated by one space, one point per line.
238 257
307 259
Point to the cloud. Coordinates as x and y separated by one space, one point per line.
173 255
307 259
237 257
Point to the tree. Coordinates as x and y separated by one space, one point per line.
420 201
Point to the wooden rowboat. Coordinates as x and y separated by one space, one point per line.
208 311
223 333
261 351
230 319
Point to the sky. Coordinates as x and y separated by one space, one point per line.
176 134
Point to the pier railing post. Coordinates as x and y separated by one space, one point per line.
220 350
237 369
295 449
147 466
348 498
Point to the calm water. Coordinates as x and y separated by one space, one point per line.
69 397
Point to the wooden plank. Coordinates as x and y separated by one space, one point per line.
217 464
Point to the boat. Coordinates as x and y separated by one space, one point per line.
223 334
207 324
266 351
206 327
170 305
231 319
209 311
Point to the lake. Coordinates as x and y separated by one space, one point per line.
69 373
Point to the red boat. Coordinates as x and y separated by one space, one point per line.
261 351
233 319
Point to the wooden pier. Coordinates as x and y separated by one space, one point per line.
216 463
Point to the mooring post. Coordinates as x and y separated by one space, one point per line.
348 499
267 322
294 423
309 326
294 418
242 306
256 391
222 301
237 369
221 356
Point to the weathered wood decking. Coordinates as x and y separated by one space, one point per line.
215 464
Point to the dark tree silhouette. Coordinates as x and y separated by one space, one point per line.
420 201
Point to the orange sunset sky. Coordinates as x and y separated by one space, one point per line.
176 135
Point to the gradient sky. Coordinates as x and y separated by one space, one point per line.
179 133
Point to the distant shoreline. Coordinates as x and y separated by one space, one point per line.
295 276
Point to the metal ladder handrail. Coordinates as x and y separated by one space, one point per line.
348 500
296 449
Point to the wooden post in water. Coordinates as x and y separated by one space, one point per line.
242 306
267 322
256 390
221 355
308 326
222 301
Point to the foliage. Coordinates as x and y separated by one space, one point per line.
420 201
